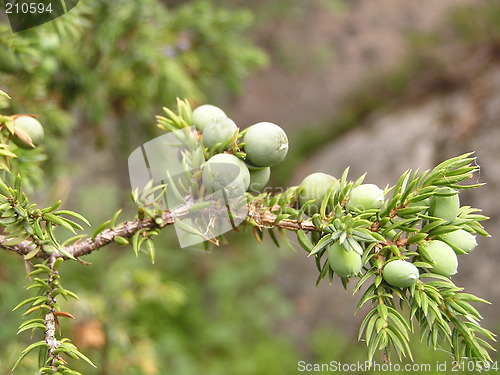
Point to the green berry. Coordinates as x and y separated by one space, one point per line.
226 171
315 186
445 259
366 197
344 263
400 273
461 240
205 114
218 131
445 206
259 179
27 128
266 144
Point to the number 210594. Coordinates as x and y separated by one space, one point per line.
28 8
472 366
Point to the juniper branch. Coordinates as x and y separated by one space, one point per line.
262 217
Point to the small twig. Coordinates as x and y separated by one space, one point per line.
51 318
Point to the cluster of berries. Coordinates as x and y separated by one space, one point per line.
440 253
264 144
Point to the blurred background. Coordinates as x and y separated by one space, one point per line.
378 86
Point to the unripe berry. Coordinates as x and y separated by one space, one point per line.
259 179
226 171
344 263
460 239
315 186
365 197
266 144
400 273
445 207
445 259
26 125
205 114
218 131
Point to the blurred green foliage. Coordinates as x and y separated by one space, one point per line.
109 67
189 313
